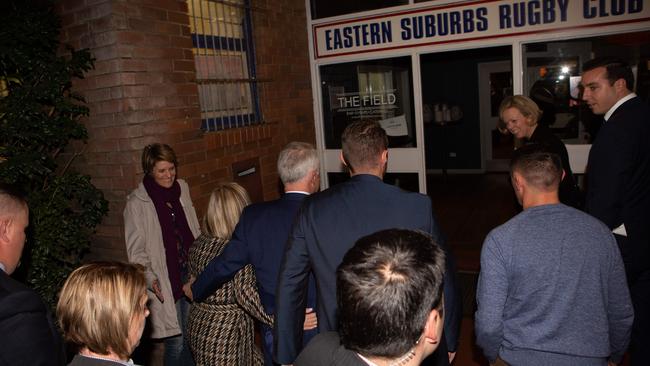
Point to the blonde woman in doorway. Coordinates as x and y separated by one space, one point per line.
520 116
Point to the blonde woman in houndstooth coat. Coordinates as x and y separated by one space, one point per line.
221 328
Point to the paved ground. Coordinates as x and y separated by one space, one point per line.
468 206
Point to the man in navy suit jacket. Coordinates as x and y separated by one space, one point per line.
27 333
260 237
331 222
618 190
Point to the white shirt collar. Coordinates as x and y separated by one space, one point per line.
370 363
125 363
618 104
301 192
2 267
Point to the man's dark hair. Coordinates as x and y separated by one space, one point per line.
386 286
616 69
362 144
538 165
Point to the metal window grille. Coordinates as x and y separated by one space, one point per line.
225 63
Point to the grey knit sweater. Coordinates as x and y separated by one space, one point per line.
552 291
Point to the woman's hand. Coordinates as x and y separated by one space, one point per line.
187 288
155 286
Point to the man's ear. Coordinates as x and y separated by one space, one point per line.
433 327
515 179
315 179
384 156
518 182
343 159
5 226
621 86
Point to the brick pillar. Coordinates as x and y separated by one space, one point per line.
143 90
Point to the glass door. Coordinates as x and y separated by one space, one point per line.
461 93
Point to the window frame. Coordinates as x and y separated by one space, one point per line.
244 44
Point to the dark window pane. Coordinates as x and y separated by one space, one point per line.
552 76
378 90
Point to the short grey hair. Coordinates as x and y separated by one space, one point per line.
12 200
296 160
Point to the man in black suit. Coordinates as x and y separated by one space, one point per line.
618 191
260 238
329 224
27 334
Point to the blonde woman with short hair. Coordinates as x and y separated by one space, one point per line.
519 115
221 328
102 310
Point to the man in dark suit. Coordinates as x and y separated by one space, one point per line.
329 224
618 191
260 237
27 334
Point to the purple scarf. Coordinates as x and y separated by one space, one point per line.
176 233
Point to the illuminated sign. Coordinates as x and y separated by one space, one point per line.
470 21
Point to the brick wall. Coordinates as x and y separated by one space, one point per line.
283 62
142 90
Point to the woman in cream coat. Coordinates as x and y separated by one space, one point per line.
163 202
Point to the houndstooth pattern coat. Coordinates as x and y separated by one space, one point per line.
221 329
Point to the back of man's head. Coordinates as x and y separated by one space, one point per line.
387 285
296 160
12 201
540 168
363 143
616 69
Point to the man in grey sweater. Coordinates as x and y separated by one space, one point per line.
552 288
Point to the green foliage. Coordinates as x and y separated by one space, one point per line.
39 116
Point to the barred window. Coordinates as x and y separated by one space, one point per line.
225 63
